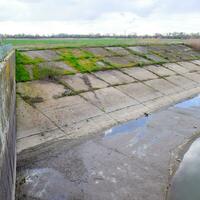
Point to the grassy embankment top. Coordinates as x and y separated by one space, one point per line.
48 43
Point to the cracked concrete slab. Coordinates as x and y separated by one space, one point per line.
30 121
83 82
68 110
109 99
165 87
139 91
177 68
159 70
114 77
40 89
139 73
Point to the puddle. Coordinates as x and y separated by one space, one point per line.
126 128
194 102
186 182
45 184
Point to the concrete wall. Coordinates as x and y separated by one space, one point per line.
7 127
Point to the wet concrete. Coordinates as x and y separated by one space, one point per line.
131 161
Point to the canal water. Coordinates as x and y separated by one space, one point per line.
186 182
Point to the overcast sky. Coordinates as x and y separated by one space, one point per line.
99 16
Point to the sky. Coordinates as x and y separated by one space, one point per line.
99 16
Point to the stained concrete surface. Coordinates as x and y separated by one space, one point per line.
114 77
46 55
83 82
121 163
140 73
109 99
69 105
159 70
68 125
177 68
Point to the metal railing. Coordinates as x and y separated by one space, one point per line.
4 50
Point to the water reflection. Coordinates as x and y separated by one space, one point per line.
128 127
186 182
194 102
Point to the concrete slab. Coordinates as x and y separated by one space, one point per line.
197 62
34 140
59 65
159 70
139 49
181 81
83 82
114 77
129 113
159 103
41 90
139 73
99 51
137 59
155 58
46 55
193 76
139 91
109 99
73 131
119 61
176 68
68 110
30 121
93 125
163 86
145 51
118 51
190 66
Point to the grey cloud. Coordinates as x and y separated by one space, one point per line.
64 10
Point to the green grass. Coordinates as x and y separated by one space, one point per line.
24 59
22 74
81 60
38 72
46 43
45 72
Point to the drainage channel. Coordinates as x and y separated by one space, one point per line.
128 161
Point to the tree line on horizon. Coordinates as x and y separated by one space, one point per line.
174 35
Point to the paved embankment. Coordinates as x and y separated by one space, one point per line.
7 127
99 100
63 151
